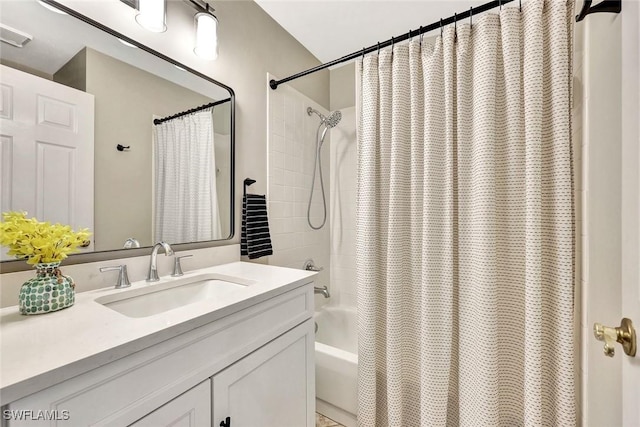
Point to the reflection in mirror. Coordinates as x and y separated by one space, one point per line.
79 144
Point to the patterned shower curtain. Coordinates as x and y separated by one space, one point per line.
465 242
186 196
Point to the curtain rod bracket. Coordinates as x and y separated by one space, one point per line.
611 6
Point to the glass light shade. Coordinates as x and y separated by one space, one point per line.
152 15
206 36
52 8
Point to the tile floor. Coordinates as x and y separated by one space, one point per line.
322 421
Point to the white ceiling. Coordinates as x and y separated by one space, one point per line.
330 29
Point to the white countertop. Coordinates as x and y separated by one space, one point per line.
38 351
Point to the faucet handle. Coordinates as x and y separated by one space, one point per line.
309 265
123 277
177 267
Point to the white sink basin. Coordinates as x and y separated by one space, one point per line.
174 293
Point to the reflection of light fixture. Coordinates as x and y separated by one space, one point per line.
51 8
127 44
206 35
14 37
152 15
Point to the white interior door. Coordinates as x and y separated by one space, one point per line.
46 149
631 203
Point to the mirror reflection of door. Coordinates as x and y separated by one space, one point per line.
46 150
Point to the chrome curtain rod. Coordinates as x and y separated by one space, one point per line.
604 6
193 110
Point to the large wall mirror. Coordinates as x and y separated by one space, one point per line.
99 132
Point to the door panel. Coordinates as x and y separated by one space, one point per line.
271 387
190 409
631 203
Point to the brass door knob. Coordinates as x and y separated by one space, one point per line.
625 334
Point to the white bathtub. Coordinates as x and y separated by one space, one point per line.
337 364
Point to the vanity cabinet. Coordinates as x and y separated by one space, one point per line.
254 365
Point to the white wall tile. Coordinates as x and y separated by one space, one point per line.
292 154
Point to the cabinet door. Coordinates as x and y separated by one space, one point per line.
190 409
271 387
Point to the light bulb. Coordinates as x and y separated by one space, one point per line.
152 15
206 36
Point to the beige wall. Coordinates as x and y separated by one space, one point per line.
343 86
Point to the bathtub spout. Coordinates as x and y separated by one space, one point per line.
323 290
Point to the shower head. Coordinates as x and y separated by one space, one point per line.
331 121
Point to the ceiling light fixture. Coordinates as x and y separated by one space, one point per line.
51 8
127 44
152 15
206 46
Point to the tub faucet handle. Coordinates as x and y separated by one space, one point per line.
309 265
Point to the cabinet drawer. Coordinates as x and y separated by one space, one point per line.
124 391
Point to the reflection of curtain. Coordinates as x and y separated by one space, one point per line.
186 200
465 226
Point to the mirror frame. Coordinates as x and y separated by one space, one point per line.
11 266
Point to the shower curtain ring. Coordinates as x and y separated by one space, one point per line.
393 43
500 4
520 2
421 35
363 53
441 30
455 26
378 48
470 17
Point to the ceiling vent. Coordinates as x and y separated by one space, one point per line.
14 37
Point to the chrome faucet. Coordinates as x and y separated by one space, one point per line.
323 290
152 276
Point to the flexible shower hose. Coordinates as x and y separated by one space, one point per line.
317 165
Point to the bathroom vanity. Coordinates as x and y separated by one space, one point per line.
230 345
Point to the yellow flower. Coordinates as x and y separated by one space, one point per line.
35 241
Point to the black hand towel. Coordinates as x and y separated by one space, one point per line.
255 240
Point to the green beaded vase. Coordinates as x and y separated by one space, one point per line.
48 291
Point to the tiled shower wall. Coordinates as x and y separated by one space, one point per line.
292 145
344 187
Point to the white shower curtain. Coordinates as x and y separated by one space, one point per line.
186 198
465 242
